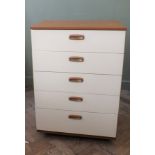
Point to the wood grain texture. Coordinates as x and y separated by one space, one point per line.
79 25
76 135
49 144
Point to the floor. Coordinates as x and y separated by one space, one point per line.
47 144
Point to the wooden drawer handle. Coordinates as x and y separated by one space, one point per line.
76 59
76 117
76 37
75 98
76 79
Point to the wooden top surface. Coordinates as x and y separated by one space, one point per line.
78 25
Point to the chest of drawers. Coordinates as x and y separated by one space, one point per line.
77 72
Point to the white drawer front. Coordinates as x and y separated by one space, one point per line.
95 41
89 124
98 84
98 63
77 102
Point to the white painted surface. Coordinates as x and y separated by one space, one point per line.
97 84
91 103
97 63
103 53
90 124
95 41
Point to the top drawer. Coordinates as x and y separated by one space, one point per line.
78 40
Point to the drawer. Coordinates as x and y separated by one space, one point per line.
95 41
78 83
77 102
76 122
75 62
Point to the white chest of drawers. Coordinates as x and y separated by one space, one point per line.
77 72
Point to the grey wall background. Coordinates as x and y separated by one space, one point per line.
38 10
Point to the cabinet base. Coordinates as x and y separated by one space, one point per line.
77 135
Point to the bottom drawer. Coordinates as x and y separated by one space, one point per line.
76 122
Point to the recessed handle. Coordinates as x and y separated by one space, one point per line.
76 37
75 99
76 59
76 79
75 117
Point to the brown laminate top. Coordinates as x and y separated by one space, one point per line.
79 25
